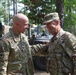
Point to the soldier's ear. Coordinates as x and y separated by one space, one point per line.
17 24
57 22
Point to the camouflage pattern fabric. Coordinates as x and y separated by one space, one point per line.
15 55
61 49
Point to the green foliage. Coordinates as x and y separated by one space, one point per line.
3 11
70 15
39 8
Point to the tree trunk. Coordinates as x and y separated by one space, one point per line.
15 6
60 10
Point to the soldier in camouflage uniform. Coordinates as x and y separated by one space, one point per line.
15 52
61 58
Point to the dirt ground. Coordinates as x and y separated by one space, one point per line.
38 72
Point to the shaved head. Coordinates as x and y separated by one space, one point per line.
20 23
19 17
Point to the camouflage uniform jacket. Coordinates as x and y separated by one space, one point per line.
15 55
61 49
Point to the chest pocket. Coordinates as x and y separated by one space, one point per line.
18 52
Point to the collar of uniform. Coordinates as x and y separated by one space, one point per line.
16 38
60 33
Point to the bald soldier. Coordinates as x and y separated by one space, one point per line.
15 52
62 48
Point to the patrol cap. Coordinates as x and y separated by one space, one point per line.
50 17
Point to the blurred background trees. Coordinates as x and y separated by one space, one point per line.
37 9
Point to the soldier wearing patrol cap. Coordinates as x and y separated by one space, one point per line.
61 58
